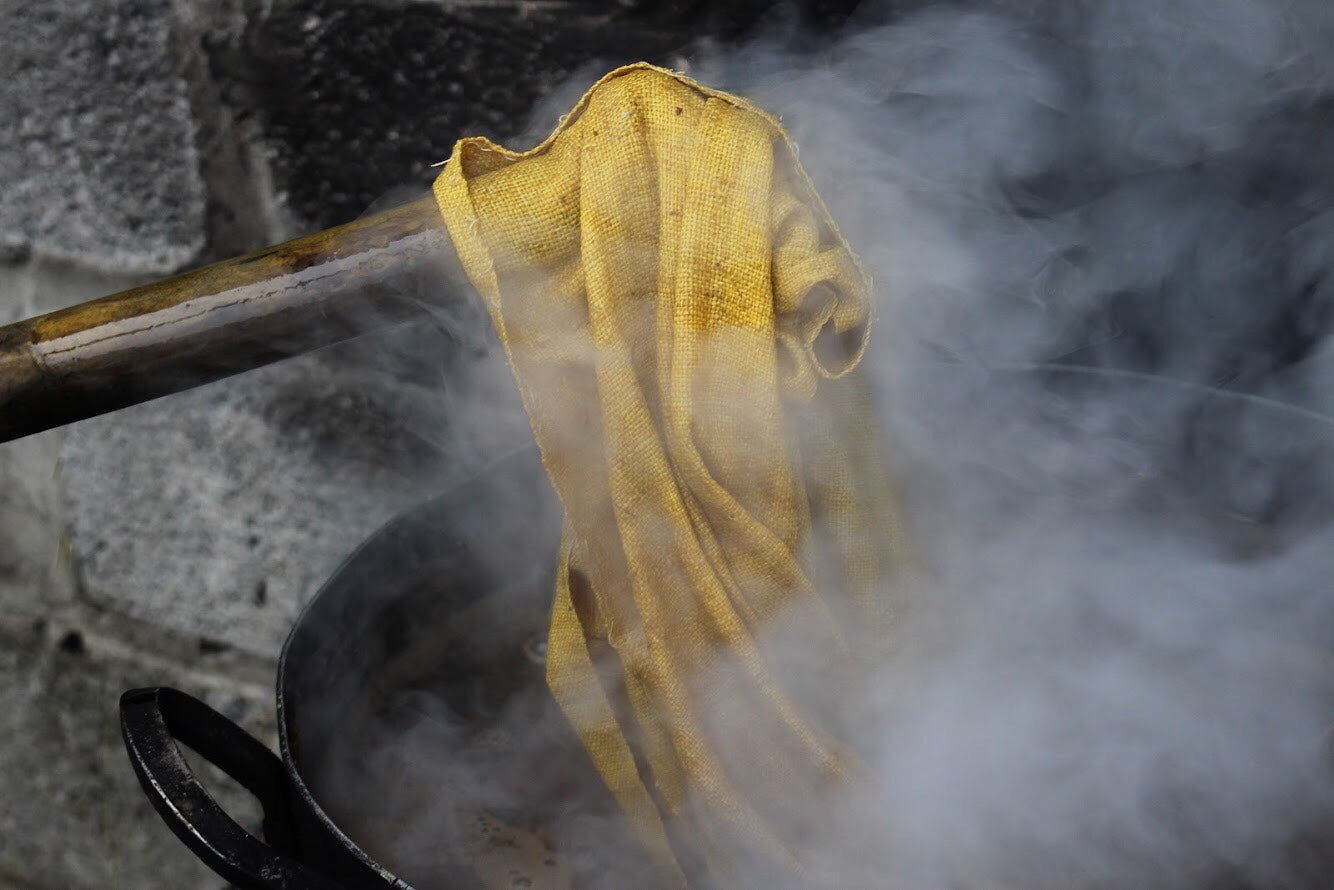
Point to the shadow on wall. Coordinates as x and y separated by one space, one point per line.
360 98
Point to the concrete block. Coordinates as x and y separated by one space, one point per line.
359 98
219 512
97 159
72 814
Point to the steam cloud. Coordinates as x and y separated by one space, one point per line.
1104 252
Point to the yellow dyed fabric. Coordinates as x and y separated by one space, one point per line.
684 321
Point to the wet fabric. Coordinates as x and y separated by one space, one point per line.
684 321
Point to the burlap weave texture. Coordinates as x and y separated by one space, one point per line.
684 321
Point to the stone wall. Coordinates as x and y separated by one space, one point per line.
173 543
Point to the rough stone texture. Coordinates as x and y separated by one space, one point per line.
71 812
82 177
219 512
358 98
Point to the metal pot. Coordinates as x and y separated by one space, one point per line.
402 615
449 599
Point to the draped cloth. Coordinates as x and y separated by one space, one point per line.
684 322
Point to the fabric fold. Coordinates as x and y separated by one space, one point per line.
685 323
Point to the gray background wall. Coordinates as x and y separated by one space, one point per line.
173 543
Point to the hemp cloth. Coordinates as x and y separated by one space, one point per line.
684 320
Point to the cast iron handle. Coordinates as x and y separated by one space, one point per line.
151 722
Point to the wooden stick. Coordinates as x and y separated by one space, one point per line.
225 318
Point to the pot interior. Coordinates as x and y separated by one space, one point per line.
415 710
